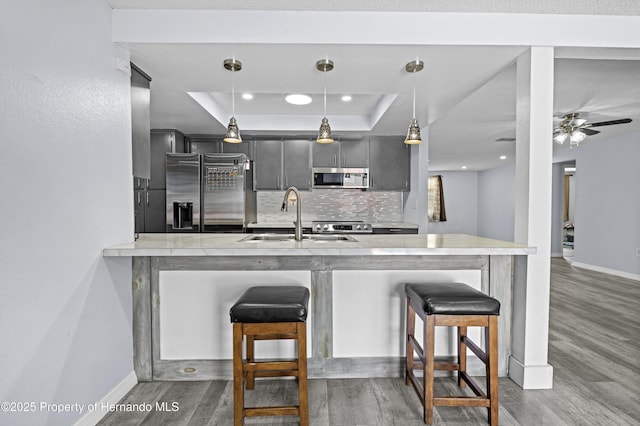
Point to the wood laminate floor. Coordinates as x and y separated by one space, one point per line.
593 348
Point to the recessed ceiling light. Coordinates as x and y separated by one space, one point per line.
247 96
464 167
298 99
346 98
503 157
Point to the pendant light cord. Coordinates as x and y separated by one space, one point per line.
233 96
325 94
414 93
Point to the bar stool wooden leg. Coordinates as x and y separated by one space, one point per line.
491 339
238 391
462 355
251 376
303 393
411 328
428 367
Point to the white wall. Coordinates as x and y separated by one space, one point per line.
496 203
607 215
65 185
461 203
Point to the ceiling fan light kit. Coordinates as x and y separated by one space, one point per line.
324 133
413 134
233 133
577 129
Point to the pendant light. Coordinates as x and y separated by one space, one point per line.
324 134
233 133
413 135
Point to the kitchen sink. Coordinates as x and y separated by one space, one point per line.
290 237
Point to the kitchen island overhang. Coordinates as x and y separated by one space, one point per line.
154 253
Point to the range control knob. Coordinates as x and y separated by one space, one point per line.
325 227
318 227
357 227
365 227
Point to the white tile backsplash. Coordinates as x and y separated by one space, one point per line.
333 204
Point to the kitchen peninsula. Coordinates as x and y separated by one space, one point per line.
184 284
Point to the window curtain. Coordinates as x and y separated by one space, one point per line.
435 208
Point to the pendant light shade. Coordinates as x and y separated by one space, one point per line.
413 134
324 134
233 133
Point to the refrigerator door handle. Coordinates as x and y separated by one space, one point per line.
147 198
139 200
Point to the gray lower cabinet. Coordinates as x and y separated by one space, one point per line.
279 164
346 153
155 211
389 164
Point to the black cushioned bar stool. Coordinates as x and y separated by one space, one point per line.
270 313
461 306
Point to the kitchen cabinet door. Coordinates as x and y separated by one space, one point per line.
326 154
297 164
204 145
389 164
354 153
267 165
155 211
138 209
246 148
162 142
140 122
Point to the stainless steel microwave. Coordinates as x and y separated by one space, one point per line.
326 177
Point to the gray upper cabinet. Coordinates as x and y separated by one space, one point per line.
245 147
354 153
267 165
140 122
162 142
389 164
297 164
349 153
204 144
326 154
279 164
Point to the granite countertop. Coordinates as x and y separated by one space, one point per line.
179 244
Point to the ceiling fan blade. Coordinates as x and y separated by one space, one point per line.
609 123
588 131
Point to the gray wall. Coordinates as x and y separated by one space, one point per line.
66 188
496 201
607 215
461 203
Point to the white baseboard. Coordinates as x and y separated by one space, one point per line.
114 395
531 376
556 254
622 274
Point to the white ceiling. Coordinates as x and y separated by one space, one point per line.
465 94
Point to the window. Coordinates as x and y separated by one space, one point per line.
435 207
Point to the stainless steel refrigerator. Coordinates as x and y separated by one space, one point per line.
183 193
228 201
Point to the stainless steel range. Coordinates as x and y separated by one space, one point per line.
341 227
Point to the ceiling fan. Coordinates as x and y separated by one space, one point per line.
575 129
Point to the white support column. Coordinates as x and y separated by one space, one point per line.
528 365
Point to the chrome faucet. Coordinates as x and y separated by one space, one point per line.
285 205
